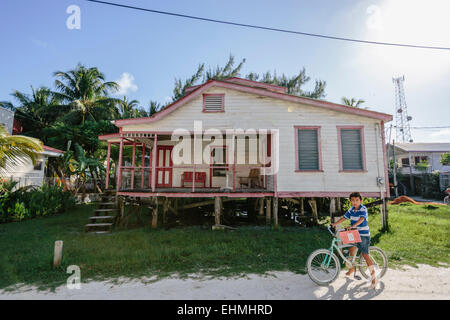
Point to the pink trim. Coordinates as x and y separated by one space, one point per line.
163 168
195 195
108 136
363 148
52 149
155 148
119 178
108 160
274 159
143 166
216 95
192 88
319 146
312 194
133 164
257 84
229 85
386 166
320 194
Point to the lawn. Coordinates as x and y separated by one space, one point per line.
418 234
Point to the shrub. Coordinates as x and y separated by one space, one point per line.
29 202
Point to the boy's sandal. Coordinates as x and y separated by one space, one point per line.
374 285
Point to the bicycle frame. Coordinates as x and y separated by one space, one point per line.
335 245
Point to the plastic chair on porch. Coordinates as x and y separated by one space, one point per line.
253 179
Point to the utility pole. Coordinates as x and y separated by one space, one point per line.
394 169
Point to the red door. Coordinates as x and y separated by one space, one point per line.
164 164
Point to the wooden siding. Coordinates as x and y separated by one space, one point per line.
245 110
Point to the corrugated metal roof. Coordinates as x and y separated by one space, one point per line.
424 146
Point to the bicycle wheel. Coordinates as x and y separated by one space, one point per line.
323 268
380 263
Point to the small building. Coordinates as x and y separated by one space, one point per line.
408 155
7 119
26 173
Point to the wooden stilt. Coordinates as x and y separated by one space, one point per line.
217 209
155 213
268 211
332 209
165 209
339 206
275 212
313 204
261 206
302 206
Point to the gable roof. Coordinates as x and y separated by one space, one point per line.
424 147
257 88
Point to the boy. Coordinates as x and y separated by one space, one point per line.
359 219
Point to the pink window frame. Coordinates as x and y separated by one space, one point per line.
214 94
319 146
363 148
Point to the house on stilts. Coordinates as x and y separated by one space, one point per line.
238 138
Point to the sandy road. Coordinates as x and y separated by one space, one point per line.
425 282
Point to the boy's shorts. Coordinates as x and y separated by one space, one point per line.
363 246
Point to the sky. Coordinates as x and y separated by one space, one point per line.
145 52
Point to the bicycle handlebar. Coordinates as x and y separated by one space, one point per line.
337 230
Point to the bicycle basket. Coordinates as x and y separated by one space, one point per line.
351 236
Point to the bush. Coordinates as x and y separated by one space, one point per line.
29 202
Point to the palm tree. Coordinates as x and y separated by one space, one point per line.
36 111
352 102
86 91
15 150
128 109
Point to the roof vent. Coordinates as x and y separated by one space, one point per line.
213 102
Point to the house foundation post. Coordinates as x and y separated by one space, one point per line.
268 211
217 209
155 213
275 212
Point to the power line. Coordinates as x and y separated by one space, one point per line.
269 28
417 127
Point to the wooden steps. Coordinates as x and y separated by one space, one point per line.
102 221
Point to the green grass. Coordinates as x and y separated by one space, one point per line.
418 235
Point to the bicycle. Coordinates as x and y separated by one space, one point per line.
323 265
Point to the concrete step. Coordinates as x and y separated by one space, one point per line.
98 232
97 218
106 210
95 225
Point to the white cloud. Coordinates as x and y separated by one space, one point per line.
443 134
126 83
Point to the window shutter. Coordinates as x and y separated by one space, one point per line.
351 149
308 149
213 103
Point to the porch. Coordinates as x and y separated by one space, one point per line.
156 164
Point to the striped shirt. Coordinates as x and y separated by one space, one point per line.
354 216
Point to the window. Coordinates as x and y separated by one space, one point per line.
351 147
218 159
38 165
308 153
214 102
405 162
418 159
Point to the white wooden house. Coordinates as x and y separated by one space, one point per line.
304 147
24 172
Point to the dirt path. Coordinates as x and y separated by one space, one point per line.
424 282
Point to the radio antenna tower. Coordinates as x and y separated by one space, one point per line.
402 129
